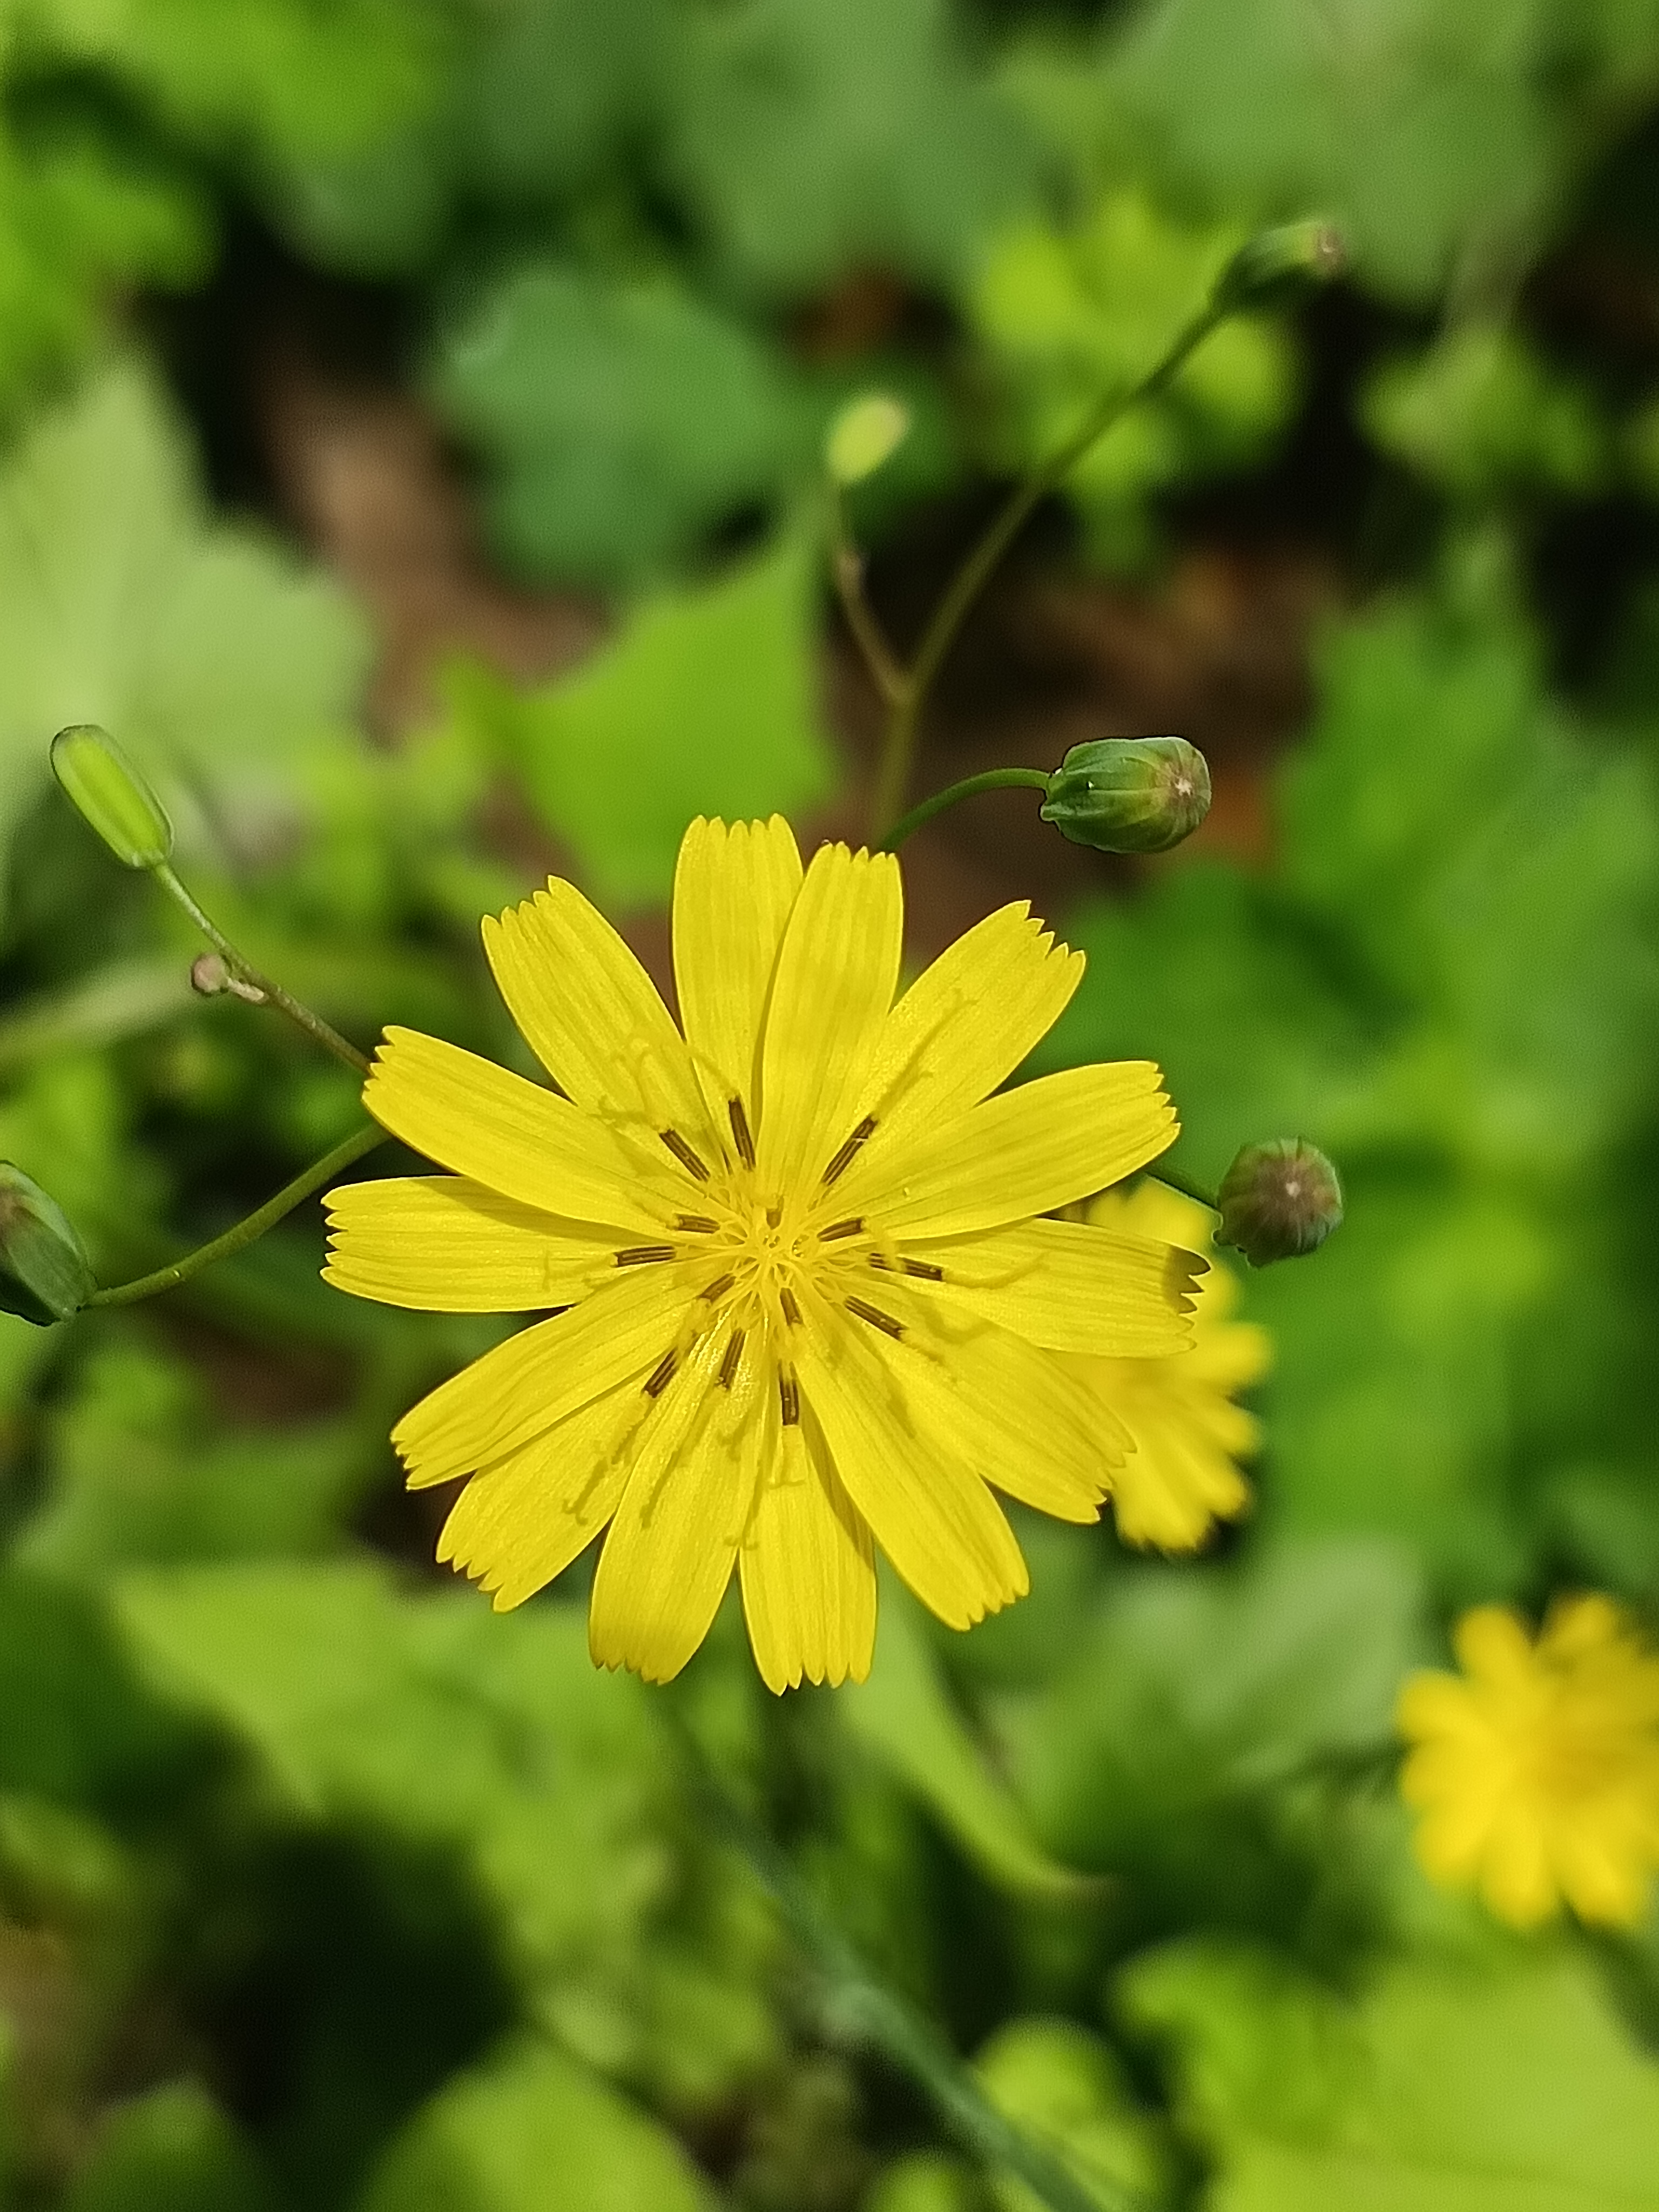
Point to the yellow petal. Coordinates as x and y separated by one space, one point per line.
481 1121
1024 1152
590 1013
446 1245
1493 1647
1002 1407
1066 1285
528 1516
668 1556
538 1377
733 889
932 1516
836 970
1174 1485
808 1568
1515 1878
968 1021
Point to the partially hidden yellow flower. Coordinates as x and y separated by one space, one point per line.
1536 1771
1183 1475
807 1305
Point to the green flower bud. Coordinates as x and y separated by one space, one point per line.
867 433
1279 1200
111 796
1276 266
44 1274
1129 794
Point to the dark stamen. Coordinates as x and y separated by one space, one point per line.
698 1222
662 1374
719 1287
923 1270
843 1158
740 1136
729 1363
635 1255
791 1310
876 1317
842 1228
788 1398
683 1153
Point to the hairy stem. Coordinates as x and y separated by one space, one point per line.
244 1231
992 779
861 2008
313 1024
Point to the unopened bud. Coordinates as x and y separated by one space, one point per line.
1276 266
44 1274
866 433
1129 794
111 796
1279 1200
211 975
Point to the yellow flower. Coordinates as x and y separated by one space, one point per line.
808 1308
1178 1408
1537 1770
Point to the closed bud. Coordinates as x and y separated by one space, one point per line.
1129 794
864 435
1279 1200
1278 264
111 796
44 1274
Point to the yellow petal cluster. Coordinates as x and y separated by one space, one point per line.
1178 1409
802 1301
1536 1770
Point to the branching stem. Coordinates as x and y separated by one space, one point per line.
244 972
905 689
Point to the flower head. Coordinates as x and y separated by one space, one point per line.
807 1304
1188 1434
1537 1770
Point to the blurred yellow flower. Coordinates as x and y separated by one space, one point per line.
808 1306
1537 1770
1181 1478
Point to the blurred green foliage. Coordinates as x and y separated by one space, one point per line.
321 1886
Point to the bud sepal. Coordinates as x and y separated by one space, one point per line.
1129 794
111 796
44 1274
1279 1200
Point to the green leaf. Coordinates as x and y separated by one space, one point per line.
1070 315
135 1472
209 652
810 140
1516 2091
530 2130
904 1713
79 217
1063 2086
620 419
429 1720
281 76
1176 1738
1418 130
705 703
171 2146
1481 412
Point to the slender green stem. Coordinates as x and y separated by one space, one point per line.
245 1231
861 2008
898 753
1185 1184
245 972
992 779
847 566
